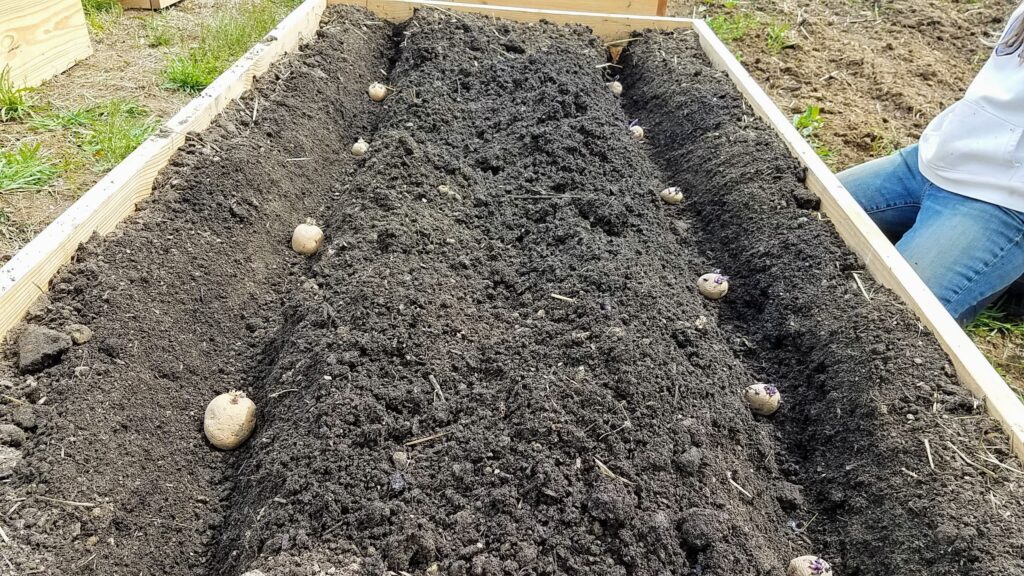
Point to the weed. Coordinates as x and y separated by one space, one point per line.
809 122
158 34
100 14
732 27
881 144
222 42
778 35
15 103
26 167
108 132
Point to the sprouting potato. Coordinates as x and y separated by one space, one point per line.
230 419
763 399
360 147
672 195
808 566
713 286
615 88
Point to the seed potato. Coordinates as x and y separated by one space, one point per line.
377 91
763 399
671 195
360 147
229 420
713 286
306 239
615 88
808 566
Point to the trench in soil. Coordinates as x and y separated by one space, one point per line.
504 301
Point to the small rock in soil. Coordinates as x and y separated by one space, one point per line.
690 461
24 417
40 348
9 458
11 435
789 496
254 573
398 483
80 333
401 460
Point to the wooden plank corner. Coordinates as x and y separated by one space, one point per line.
41 38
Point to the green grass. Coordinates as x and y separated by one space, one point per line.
107 132
15 103
158 33
778 37
26 167
994 322
99 14
808 123
223 41
732 27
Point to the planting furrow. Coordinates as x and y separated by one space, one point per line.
499 364
872 417
117 478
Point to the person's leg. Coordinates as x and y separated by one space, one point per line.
889 189
967 251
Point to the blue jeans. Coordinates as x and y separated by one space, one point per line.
967 251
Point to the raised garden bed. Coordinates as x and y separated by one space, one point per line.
498 364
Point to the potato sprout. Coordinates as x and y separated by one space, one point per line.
671 195
763 399
306 238
377 91
808 566
713 285
360 147
230 419
615 88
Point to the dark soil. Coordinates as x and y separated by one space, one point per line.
178 300
864 387
498 363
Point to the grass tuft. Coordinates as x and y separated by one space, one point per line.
158 33
15 103
778 38
732 27
100 14
222 42
26 167
994 322
108 132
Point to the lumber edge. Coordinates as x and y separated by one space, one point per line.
606 26
147 4
113 198
880 257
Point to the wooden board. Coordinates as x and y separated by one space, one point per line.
147 4
41 38
25 276
638 7
608 27
100 209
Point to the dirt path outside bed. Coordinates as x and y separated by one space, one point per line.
498 364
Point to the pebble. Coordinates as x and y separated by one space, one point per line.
11 435
9 458
80 333
401 460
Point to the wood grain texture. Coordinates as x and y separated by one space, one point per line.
879 255
100 209
147 4
635 7
41 38
608 27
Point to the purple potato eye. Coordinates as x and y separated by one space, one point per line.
719 279
819 566
771 390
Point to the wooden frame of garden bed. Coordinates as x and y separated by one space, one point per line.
27 275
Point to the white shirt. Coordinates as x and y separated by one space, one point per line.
975 147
